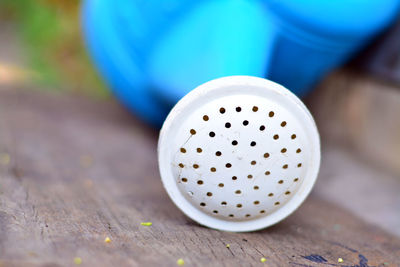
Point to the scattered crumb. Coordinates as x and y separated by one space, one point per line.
228 246
77 260
263 259
180 262
337 227
146 223
88 183
340 260
107 240
4 159
31 253
86 161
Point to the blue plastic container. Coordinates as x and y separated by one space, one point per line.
154 52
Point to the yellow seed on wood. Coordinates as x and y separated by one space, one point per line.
146 223
107 240
228 246
180 262
88 183
4 159
263 259
340 260
77 260
86 161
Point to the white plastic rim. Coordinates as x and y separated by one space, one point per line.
239 153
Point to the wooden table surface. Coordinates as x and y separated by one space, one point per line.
74 171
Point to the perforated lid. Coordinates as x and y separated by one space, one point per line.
239 153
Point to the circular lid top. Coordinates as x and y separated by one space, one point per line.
239 153
349 19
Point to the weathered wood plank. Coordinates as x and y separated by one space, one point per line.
80 171
363 112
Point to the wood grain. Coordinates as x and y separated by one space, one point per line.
81 171
363 112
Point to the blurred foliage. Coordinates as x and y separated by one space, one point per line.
51 34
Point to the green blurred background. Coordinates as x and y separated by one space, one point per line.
50 35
